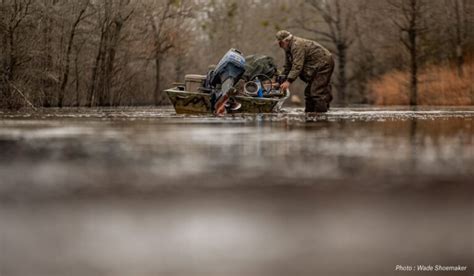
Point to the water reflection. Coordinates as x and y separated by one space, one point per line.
146 192
169 152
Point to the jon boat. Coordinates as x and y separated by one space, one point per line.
196 95
186 102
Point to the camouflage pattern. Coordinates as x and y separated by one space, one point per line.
186 102
303 58
190 102
256 105
318 92
283 34
314 65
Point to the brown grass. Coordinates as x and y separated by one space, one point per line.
438 85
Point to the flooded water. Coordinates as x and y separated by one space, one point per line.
142 191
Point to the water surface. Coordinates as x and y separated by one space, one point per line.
143 191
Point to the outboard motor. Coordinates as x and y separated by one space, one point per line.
227 72
229 69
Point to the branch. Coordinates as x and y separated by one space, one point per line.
406 44
325 34
18 11
21 94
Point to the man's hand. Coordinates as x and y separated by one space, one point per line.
284 86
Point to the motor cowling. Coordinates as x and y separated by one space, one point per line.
231 65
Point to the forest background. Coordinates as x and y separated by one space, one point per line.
58 53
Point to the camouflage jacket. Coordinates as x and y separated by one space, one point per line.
303 58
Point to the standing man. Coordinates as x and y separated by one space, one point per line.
313 64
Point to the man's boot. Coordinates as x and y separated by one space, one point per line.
316 105
320 105
309 105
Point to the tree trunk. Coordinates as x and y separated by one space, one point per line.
157 94
76 73
459 37
65 77
4 87
47 82
342 80
413 76
179 68
102 74
108 97
11 68
93 84
12 56
412 35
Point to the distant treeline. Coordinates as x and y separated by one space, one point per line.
125 52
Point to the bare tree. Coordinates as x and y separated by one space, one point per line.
338 15
111 19
14 14
407 16
72 33
457 11
113 52
165 22
49 29
77 79
220 24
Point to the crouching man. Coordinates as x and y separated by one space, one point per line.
313 64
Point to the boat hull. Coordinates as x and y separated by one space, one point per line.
185 102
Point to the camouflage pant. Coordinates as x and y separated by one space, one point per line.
318 91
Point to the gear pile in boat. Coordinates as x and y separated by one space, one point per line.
236 84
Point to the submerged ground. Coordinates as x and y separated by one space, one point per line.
142 191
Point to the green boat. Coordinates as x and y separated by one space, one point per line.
186 102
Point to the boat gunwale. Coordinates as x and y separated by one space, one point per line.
173 90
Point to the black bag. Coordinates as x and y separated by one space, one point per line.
259 65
